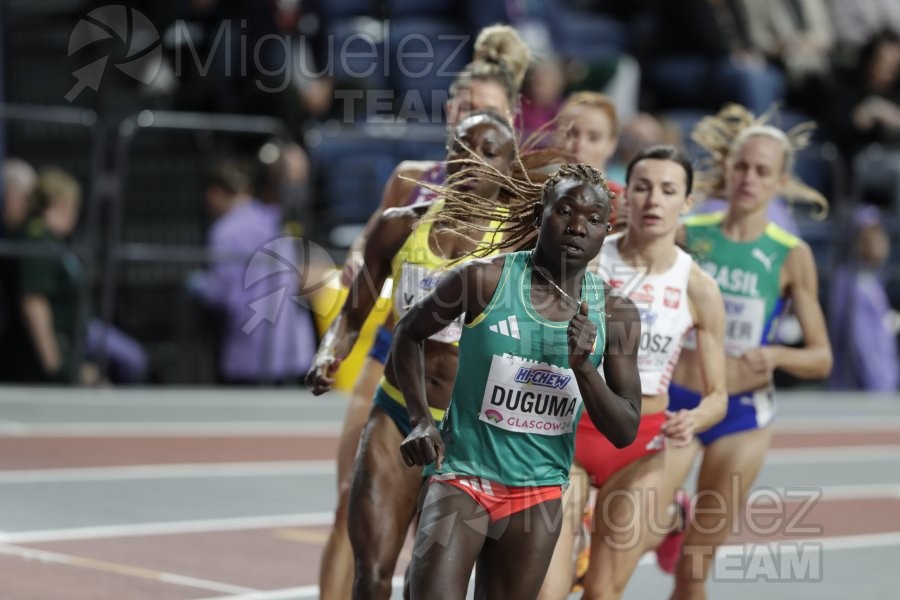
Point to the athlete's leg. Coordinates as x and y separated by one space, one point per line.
561 574
517 552
730 466
677 466
625 511
451 533
336 572
382 504
673 510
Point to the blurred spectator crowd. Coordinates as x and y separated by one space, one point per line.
357 86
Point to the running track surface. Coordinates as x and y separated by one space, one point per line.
183 494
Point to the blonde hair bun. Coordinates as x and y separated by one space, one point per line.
501 44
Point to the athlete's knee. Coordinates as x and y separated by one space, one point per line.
373 579
341 514
599 589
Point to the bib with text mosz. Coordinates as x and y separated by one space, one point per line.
530 397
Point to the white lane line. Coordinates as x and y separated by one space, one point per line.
832 454
287 468
174 429
330 427
841 492
837 543
127 401
122 569
306 591
168 528
828 493
153 395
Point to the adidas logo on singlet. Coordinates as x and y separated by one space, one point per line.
508 327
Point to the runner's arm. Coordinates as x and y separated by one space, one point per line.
813 360
614 403
708 310
463 290
390 231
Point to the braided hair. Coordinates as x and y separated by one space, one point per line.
510 215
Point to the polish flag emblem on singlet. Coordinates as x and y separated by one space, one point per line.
672 297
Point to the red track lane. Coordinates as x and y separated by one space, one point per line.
34 580
831 517
265 559
257 558
269 559
804 439
66 452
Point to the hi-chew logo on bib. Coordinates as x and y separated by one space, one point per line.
543 378
530 397
416 282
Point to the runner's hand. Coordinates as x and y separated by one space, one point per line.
760 360
679 427
581 335
320 378
423 446
351 268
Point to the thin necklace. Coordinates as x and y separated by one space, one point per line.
546 278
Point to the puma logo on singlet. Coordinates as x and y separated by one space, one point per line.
761 256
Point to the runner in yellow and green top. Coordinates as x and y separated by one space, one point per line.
383 492
758 266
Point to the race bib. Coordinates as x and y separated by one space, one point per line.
530 397
655 347
416 282
744 321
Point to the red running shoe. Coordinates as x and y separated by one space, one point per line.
669 551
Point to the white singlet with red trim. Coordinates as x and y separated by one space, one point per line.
662 301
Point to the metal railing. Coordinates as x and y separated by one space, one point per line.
121 252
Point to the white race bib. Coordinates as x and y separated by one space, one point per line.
744 321
530 397
416 282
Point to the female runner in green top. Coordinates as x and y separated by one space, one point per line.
537 327
758 267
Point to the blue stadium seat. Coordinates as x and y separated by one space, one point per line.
352 171
822 239
817 166
426 56
877 171
482 13
340 9
416 8
587 35
358 54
